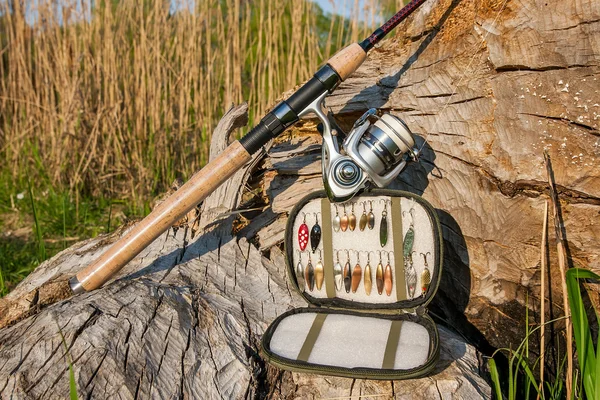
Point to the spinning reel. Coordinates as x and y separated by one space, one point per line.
370 154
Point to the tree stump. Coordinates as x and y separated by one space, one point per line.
489 84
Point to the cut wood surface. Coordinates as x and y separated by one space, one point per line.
490 84
185 320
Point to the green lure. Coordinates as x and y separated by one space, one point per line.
383 230
409 240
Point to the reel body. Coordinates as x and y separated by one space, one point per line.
370 154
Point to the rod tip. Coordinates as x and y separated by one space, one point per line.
76 286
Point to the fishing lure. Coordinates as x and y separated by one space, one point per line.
383 227
388 279
344 221
409 238
315 234
337 272
368 279
309 274
336 220
425 275
411 276
356 273
362 224
379 275
371 223
319 272
352 220
300 271
303 234
347 274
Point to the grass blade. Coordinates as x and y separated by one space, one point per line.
530 379
597 380
583 337
495 378
38 229
72 383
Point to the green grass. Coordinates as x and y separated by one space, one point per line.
17 259
37 222
72 382
588 360
519 376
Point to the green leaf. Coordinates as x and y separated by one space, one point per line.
597 385
38 228
72 383
495 377
529 375
581 330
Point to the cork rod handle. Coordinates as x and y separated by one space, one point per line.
203 183
347 60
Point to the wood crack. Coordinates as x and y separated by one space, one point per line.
518 68
433 96
181 379
593 21
179 256
466 100
162 357
588 128
127 336
147 324
92 319
529 188
97 369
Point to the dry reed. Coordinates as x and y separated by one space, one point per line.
563 265
120 99
543 271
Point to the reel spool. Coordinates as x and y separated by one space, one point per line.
374 152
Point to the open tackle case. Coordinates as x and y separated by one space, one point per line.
368 269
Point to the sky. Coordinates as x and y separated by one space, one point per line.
329 6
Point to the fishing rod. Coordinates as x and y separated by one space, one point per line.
370 154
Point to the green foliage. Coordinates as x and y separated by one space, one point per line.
520 375
495 378
41 247
588 363
57 221
17 259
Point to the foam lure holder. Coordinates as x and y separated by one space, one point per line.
368 269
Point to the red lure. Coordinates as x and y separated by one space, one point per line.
303 235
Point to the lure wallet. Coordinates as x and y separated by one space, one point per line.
367 268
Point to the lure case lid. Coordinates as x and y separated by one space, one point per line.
361 333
